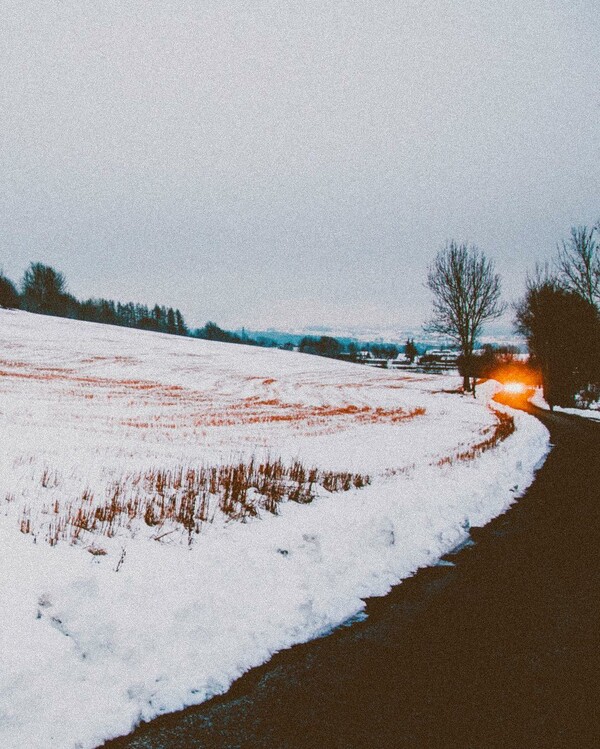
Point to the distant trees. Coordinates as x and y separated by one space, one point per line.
383 350
323 346
328 346
212 332
180 326
130 315
308 345
98 310
562 329
9 296
44 290
466 294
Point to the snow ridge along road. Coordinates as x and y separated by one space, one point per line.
128 620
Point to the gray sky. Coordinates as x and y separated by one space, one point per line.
274 163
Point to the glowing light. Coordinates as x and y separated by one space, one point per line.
514 387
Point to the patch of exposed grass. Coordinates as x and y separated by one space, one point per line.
184 499
496 434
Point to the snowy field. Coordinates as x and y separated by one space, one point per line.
138 577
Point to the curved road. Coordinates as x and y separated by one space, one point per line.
499 650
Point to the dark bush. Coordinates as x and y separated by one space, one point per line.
9 296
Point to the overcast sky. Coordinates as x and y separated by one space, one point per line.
274 163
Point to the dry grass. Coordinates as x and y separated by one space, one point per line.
161 407
255 410
184 499
504 427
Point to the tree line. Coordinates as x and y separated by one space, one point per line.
43 290
349 351
559 315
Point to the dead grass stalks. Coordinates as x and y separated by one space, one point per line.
184 499
503 428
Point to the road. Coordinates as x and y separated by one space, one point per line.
499 650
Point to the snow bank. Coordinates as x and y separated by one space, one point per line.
586 413
90 645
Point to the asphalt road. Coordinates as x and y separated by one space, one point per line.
500 650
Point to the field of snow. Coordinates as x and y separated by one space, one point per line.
132 584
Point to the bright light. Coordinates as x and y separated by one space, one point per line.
514 387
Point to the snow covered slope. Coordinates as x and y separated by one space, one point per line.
118 602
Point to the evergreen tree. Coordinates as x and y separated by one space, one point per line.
9 296
410 350
171 324
157 317
180 324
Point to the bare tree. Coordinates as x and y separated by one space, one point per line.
579 263
466 293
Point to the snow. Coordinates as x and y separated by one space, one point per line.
587 413
91 644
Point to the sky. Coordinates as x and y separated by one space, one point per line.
286 164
